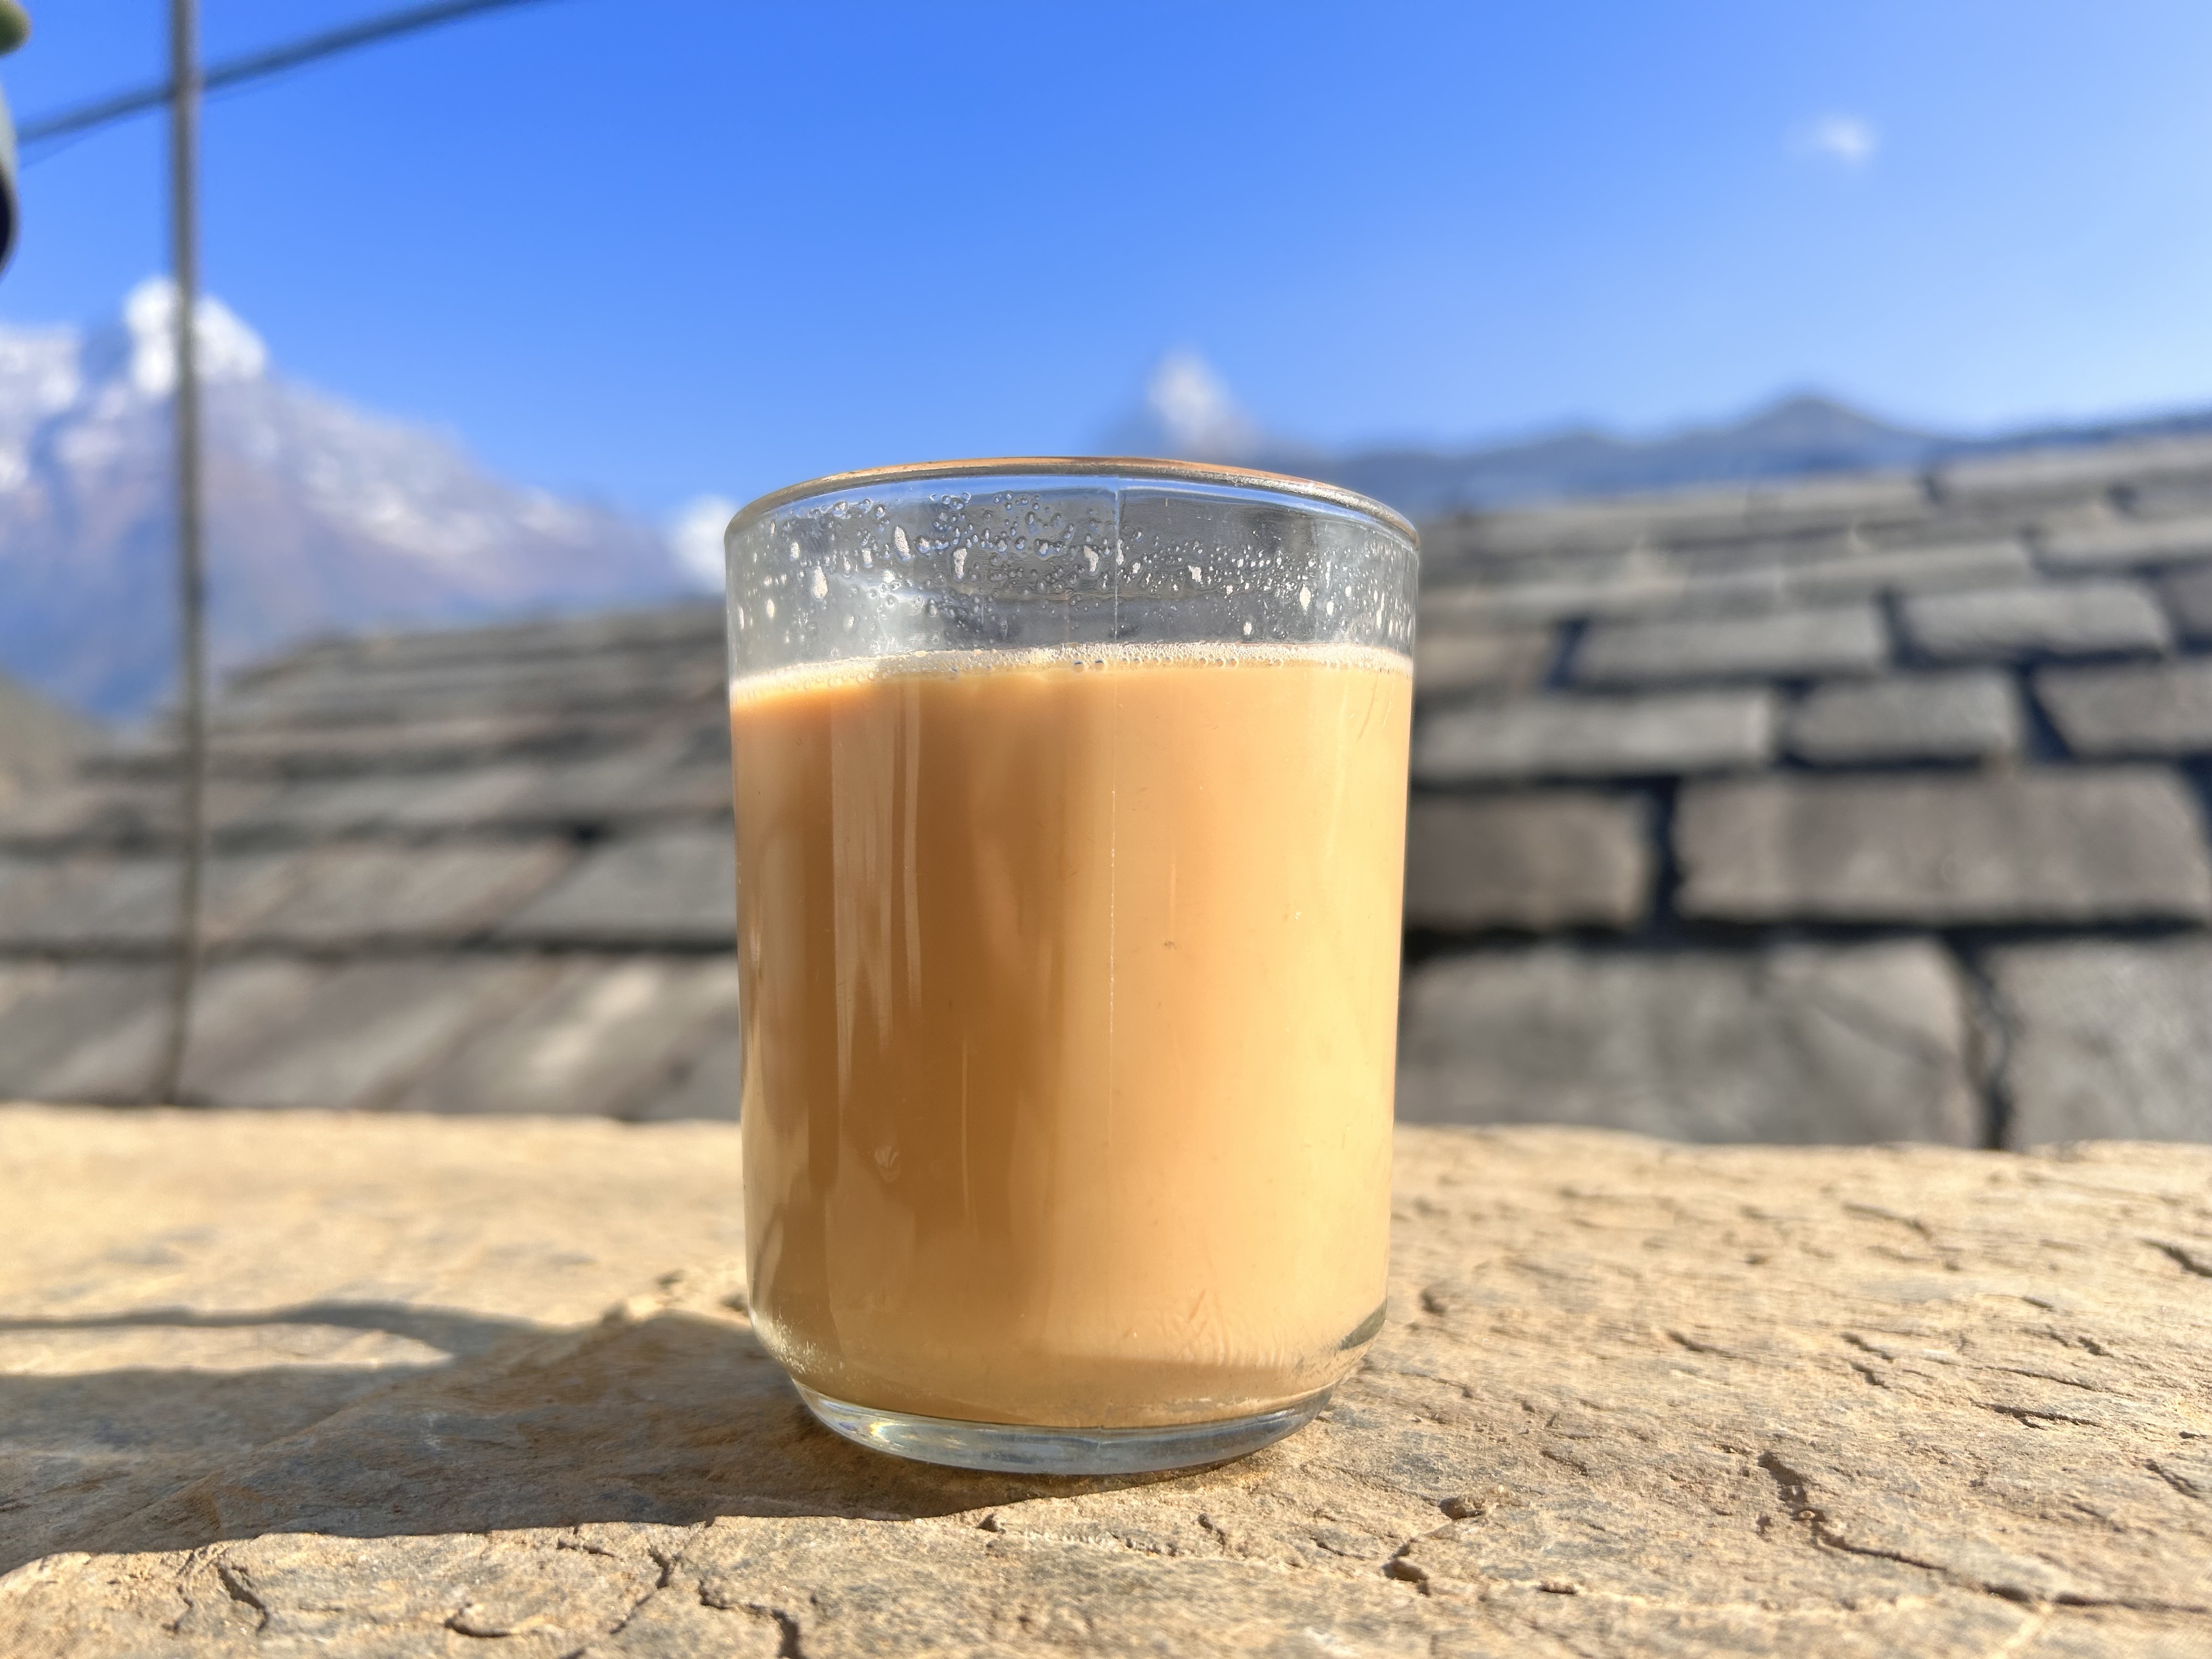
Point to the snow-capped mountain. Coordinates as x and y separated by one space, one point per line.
320 516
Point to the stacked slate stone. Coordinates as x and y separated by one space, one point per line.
467 870
1858 808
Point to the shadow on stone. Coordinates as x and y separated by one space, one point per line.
674 1418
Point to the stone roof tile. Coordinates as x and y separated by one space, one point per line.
348 894
1798 1044
2077 844
664 887
1448 661
1540 861
1831 639
2066 619
1594 737
2109 1039
2189 598
2128 542
2161 709
1974 715
605 1035
369 1029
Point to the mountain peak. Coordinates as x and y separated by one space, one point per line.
228 349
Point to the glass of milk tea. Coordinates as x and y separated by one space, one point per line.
1070 810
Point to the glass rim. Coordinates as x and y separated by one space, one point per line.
1080 466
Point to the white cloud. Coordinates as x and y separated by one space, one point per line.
695 537
1850 141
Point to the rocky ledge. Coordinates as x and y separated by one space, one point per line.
279 1384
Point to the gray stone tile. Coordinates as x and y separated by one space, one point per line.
370 1029
2189 601
1915 569
606 1036
2157 709
663 779
2077 845
1799 1044
1595 737
711 1087
355 892
234 1008
675 886
52 1012
2107 1040
1955 716
1811 643
1447 661
2128 542
446 798
2064 619
1561 860
2087 470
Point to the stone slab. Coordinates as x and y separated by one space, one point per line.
1801 644
2128 542
349 893
2164 709
1910 717
606 1035
1449 660
1660 733
50 1012
2106 1039
713 1087
653 887
2059 619
1801 1044
2189 601
343 1385
2080 845
1538 861
361 1034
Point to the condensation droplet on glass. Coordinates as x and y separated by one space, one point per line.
1091 558
1305 598
768 606
959 564
1196 575
1247 630
821 583
1329 609
899 541
795 552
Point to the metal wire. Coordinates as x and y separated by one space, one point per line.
191 558
253 66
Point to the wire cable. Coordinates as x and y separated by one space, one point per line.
254 66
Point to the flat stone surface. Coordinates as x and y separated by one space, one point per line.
1842 639
2128 542
342 1386
2064 619
657 886
2108 1038
1933 717
2083 844
1447 660
2188 600
1554 860
1803 1043
2162 708
1595 737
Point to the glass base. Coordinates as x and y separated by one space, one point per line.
1029 1448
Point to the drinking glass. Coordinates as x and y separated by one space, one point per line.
1070 808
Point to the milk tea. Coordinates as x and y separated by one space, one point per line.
1070 990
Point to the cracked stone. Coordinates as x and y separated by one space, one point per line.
297 1384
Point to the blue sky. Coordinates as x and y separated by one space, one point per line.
645 249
